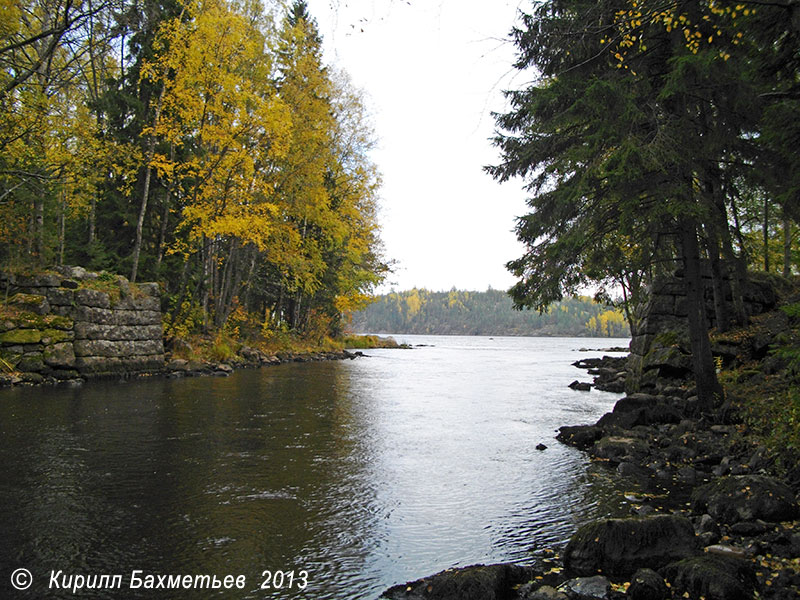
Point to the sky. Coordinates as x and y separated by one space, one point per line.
432 71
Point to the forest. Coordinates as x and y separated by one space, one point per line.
655 137
202 144
490 312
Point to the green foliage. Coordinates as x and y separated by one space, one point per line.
787 344
792 311
366 342
222 350
485 313
776 417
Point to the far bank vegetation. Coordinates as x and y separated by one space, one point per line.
490 312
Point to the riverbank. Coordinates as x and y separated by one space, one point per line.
34 348
192 364
66 325
715 517
220 355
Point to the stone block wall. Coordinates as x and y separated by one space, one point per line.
69 324
660 350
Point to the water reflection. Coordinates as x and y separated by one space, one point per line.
363 473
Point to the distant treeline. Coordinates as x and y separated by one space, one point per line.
485 313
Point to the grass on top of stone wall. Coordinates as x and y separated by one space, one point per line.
112 285
22 318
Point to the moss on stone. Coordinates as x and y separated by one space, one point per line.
21 336
56 335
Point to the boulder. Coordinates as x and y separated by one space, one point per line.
543 592
586 588
712 577
745 498
619 547
579 436
479 582
646 584
580 386
616 447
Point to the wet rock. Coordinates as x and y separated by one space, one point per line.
707 524
9 380
579 436
633 402
745 498
727 551
251 355
586 588
687 475
712 577
618 547
33 378
544 592
617 386
492 582
616 447
629 469
580 386
646 584
749 528
178 364
639 409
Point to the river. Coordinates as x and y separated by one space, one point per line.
354 475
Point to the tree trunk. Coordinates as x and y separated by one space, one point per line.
92 218
766 235
249 281
38 220
61 230
708 388
787 243
721 312
165 215
151 149
734 267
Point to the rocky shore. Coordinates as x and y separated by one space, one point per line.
249 358
712 521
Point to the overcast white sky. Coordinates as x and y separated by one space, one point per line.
432 71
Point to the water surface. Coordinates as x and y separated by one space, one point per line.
363 473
